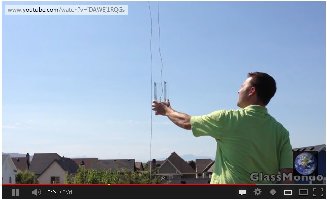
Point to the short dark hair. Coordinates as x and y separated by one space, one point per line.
264 84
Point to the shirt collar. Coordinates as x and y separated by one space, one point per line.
256 108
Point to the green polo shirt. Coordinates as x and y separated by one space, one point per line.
249 141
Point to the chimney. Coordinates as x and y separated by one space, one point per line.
28 161
153 164
192 164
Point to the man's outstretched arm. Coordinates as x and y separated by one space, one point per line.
180 119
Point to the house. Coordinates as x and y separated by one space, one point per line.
22 163
155 164
202 167
57 171
9 170
175 167
211 169
51 168
110 164
116 165
87 163
41 161
139 166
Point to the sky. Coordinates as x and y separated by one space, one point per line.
80 86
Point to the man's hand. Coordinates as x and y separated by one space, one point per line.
161 108
180 119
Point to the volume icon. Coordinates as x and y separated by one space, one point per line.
36 192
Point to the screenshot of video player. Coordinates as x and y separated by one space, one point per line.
163 100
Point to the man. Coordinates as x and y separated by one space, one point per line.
252 147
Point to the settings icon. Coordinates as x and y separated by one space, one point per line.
257 191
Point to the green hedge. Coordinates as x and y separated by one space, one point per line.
91 176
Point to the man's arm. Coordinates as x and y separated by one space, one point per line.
180 119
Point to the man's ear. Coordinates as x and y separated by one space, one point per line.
252 91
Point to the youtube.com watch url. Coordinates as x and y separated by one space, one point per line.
66 9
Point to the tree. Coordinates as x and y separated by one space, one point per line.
26 177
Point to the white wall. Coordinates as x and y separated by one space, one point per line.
8 170
53 170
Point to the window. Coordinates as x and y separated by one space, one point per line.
55 180
9 179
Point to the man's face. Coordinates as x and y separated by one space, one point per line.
245 93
